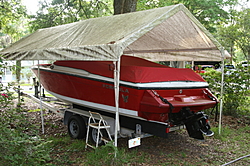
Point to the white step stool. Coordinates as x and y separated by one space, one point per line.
102 124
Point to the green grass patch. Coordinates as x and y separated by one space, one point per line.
65 151
110 155
26 84
225 133
235 144
35 110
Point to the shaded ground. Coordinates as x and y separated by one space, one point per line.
161 151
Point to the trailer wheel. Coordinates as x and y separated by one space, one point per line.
93 136
76 127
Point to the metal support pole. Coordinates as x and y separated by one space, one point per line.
40 97
222 86
116 85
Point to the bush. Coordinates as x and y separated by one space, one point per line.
236 99
19 142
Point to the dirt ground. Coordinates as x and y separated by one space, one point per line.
159 149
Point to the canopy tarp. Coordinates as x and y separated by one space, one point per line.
170 33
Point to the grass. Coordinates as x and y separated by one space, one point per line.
105 155
26 84
231 144
234 144
217 150
64 150
67 151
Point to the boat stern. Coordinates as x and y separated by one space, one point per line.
180 109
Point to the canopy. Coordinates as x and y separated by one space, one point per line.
170 33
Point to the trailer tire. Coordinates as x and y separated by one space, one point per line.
93 136
77 127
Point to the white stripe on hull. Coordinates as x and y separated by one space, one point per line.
83 73
97 106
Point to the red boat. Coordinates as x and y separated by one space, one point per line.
150 93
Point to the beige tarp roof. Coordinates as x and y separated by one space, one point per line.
164 34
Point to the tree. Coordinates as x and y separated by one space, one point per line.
12 14
236 33
60 12
227 35
243 32
208 12
124 6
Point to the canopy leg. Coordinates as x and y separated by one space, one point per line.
116 85
40 98
222 86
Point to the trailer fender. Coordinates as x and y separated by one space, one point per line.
66 117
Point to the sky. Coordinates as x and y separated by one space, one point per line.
32 5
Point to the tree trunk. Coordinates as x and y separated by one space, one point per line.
124 6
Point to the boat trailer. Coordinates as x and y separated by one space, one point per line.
77 119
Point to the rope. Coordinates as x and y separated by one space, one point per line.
171 107
235 160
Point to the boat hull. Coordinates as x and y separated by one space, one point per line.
134 101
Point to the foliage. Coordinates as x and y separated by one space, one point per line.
243 32
12 14
236 89
236 34
60 12
19 142
208 12
6 95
